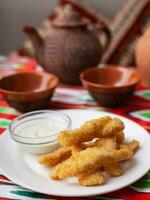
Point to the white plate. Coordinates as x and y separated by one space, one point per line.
23 169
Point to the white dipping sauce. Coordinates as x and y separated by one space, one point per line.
39 136
41 129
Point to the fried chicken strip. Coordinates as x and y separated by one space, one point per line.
52 159
89 160
96 128
119 136
133 146
108 143
96 178
112 167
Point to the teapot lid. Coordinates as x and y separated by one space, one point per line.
66 16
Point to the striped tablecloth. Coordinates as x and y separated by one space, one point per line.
67 97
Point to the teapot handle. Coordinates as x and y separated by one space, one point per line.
88 14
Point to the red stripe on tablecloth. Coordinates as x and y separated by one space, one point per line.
72 87
129 194
57 104
2 130
3 103
3 177
7 116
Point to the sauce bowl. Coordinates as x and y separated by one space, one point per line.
36 132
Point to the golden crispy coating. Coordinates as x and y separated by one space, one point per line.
133 146
52 159
108 144
119 136
113 168
97 145
86 132
122 154
96 128
78 163
86 156
96 178
76 149
113 126
88 160
99 142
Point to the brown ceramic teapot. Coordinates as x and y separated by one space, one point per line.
72 44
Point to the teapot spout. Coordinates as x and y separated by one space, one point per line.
36 40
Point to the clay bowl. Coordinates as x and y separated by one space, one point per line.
111 86
28 91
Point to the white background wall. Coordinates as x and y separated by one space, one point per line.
16 13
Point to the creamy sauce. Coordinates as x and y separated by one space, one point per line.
39 137
41 129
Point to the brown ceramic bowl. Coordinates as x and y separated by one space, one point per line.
28 91
110 86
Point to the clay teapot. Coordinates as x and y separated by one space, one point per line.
143 56
72 44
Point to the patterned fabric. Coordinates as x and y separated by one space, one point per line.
11 65
127 27
66 97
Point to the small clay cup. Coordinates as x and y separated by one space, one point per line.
28 91
110 86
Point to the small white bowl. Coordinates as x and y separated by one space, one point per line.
36 132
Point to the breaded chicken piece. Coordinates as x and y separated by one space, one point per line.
112 167
120 137
103 145
76 149
107 144
96 128
78 163
86 132
96 178
88 144
96 148
52 159
133 146
89 160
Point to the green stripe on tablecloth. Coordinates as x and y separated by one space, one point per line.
4 123
30 194
142 184
147 94
12 184
144 94
7 110
145 114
